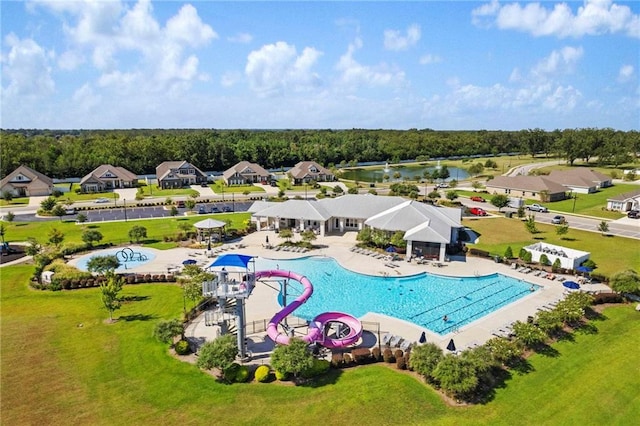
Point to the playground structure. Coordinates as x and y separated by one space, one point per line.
127 254
235 279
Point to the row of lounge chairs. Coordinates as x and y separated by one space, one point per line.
394 341
368 252
293 249
503 331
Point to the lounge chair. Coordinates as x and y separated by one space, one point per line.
395 341
387 338
406 345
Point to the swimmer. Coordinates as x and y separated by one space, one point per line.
445 318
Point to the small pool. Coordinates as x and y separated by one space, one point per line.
422 299
129 258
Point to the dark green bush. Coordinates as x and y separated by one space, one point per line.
319 367
263 374
230 373
282 376
242 375
182 347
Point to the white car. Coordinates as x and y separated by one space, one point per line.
101 200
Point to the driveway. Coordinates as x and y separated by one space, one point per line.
205 192
126 193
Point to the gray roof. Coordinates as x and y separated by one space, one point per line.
245 168
296 209
29 173
359 206
209 224
261 205
526 183
625 196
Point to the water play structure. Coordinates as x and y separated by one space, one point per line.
235 279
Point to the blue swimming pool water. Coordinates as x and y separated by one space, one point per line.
422 299
129 258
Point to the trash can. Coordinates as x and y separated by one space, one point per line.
508 214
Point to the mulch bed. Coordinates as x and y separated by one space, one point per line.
17 253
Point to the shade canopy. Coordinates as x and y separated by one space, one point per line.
584 269
451 346
238 260
571 284
391 249
423 337
189 262
209 224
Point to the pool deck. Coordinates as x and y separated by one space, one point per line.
262 304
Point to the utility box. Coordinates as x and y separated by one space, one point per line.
516 202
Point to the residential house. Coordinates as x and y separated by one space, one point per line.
176 174
107 177
26 182
428 230
625 202
245 173
581 180
539 188
307 171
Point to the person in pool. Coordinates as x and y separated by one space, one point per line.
445 318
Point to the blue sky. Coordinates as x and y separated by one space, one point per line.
394 65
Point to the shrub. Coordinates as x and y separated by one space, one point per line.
165 331
319 367
231 372
398 354
182 347
508 253
242 375
376 353
337 360
347 360
401 363
361 355
387 356
263 374
282 376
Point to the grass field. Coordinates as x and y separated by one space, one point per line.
62 364
219 188
611 254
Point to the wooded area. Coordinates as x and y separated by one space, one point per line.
74 153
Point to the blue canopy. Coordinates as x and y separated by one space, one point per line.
189 262
391 249
423 337
571 284
584 269
239 260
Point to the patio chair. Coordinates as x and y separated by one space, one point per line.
406 345
387 338
395 341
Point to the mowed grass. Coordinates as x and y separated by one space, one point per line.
62 364
114 232
611 254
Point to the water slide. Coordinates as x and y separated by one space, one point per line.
347 329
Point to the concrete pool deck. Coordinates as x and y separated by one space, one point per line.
262 304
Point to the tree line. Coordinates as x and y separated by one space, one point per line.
63 154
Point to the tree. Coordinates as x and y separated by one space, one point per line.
7 196
433 195
59 211
603 227
173 212
137 233
33 247
562 230
397 239
452 195
338 190
219 353
500 201
293 358
503 350
626 282
9 216
91 236
528 334
352 190
475 169
190 204
56 237
166 330
191 281
3 230
286 233
48 204
109 292
81 218
424 359
308 236
508 253
456 375
530 224
103 265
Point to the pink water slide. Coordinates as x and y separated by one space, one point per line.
317 332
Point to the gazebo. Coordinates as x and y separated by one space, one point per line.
209 224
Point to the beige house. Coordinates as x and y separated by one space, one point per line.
26 182
107 177
625 202
176 174
581 180
306 171
245 173
539 188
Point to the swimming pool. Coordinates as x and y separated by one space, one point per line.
422 299
129 258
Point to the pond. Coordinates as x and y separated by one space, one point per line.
410 172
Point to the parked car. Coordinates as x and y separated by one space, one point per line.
634 214
69 210
202 210
537 208
180 204
442 185
215 209
478 199
558 220
204 184
227 209
101 200
477 211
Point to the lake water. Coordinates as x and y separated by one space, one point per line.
410 172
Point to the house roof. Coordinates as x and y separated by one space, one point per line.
527 183
27 172
164 169
245 168
296 209
625 196
99 173
359 206
578 177
306 169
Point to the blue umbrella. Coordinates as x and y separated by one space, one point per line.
585 269
189 262
391 249
423 337
451 346
571 284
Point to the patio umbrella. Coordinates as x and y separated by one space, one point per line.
584 269
266 239
451 346
571 284
391 249
423 338
189 262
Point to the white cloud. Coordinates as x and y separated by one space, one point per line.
430 59
188 27
70 60
561 61
593 18
27 69
230 78
626 73
243 38
354 74
277 68
85 99
394 40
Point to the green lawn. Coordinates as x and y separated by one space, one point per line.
593 204
62 364
611 254
74 196
155 191
220 188
14 201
